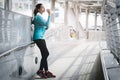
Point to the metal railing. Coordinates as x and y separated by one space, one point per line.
111 22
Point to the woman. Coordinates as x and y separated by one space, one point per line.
41 26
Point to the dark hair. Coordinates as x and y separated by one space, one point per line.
36 8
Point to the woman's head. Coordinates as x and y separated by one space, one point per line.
39 8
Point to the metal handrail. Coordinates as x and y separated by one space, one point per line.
13 49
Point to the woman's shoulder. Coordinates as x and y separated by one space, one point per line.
37 16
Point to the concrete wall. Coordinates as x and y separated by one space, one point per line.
96 35
97 70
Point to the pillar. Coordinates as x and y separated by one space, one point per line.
53 11
34 2
87 18
8 5
95 20
66 13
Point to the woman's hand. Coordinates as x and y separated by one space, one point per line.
49 12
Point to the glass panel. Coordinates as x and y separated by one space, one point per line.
15 30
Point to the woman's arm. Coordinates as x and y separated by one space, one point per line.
42 22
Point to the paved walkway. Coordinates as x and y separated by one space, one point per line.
73 60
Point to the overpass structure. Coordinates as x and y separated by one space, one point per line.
83 39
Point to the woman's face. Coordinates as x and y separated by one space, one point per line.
42 9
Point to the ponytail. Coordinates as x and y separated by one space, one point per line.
36 9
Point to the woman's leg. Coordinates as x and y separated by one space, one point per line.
44 65
44 53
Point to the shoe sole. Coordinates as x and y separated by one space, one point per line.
38 77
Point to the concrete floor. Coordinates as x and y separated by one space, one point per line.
74 60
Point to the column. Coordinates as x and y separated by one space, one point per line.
53 11
77 12
87 17
66 13
95 20
34 2
8 5
95 25
77 20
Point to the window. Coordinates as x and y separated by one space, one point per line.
26 6
2 3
